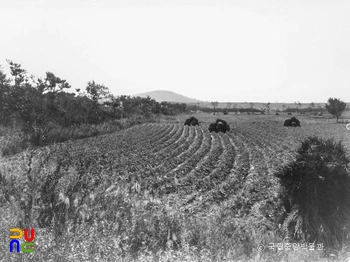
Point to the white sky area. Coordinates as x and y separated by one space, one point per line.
242 51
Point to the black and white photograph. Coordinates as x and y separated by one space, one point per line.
174 130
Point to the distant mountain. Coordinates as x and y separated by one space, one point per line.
168 96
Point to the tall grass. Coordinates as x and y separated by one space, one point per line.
14 140
315 189
83 211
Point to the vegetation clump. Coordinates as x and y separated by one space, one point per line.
43 112
316 193
192 121
292 122
219 126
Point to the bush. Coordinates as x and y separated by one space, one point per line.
316 193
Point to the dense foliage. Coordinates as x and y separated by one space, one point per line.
316 193
37 106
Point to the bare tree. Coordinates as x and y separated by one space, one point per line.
297 105
252 107
227 109
283 106
215 105
268 107
234 106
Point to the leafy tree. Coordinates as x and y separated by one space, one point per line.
22 98
54 83
4 80
52 86
335 107
18 73
96 91
4 93
312 105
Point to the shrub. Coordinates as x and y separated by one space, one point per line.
316 193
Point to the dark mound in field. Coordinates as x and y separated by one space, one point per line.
212 127
192 121
289 113
292 122
219 126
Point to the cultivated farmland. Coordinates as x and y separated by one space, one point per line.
158 184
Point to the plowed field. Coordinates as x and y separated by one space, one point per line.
202 167
152 179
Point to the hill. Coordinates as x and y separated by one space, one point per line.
168 96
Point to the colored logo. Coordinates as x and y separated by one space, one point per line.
27 246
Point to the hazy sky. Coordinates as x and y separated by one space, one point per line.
243 50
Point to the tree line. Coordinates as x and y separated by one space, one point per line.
334 106
28 101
